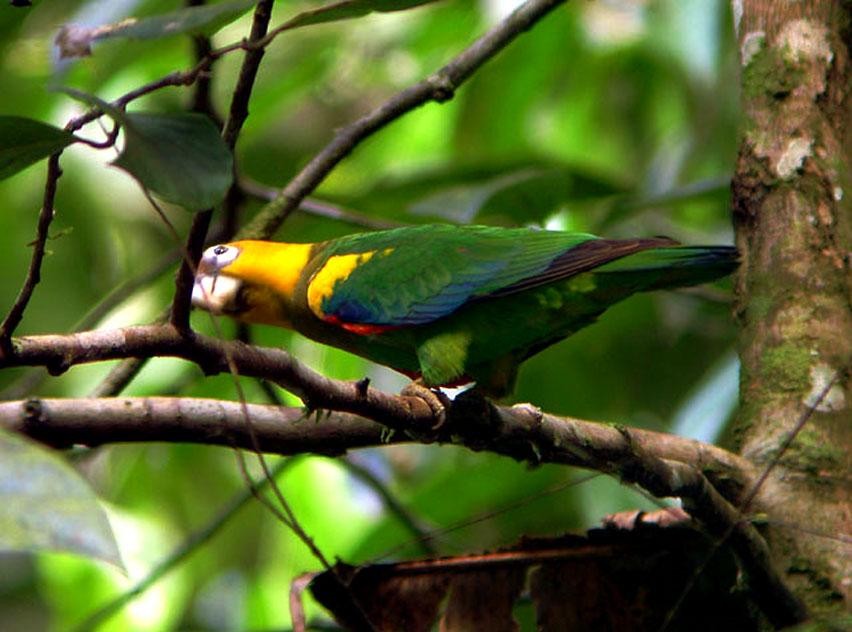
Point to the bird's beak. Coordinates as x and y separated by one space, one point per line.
216 293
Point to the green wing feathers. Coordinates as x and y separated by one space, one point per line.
448 303
414 276
666 268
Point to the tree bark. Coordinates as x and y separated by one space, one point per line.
791 197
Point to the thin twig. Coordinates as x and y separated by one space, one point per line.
185 277
807 413
248 73
109 141
201 100
288 517
489 515
421 534
319 208
438 87
748 498
45 217
845 538
190 544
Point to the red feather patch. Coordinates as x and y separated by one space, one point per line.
362 329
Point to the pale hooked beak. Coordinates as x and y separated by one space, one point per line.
215 292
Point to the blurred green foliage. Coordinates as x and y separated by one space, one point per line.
601 119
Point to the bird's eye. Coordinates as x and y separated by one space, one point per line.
220 250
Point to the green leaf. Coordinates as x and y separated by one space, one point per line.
46 505
710 188
512 193
523 195
24 141
347 9
180 157
76 41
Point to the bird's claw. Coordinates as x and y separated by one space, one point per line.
436 400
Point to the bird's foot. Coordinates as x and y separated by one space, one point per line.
633 519
531 409
435 399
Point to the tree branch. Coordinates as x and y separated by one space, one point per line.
236 118
318 208
521 431
438 87
45 217
202 100
665 465
93 422
664 477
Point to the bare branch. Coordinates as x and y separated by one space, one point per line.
248 73
184 279
438 87
98 421
236 118
45 217
521 432
319 208
664 477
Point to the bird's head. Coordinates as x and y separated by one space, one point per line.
250 280
216 290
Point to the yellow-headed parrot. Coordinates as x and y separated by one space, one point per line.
447 304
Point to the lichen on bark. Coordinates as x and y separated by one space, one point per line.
794 230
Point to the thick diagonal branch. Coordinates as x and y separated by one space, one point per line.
519 431
438 87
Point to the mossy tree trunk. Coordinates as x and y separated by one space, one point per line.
792 193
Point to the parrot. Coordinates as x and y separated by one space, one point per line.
445 304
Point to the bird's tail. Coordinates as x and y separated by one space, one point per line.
678 266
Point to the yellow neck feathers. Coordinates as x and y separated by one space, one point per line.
270 264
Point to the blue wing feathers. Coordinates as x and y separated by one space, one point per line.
423 273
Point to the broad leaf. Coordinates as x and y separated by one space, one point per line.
506 193
76 41
24 141
180 157
522 195
708 189
46 505
347 9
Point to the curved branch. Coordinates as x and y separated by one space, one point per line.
236 118
45 217
663 464
521 431
438 87
98 421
